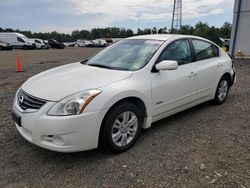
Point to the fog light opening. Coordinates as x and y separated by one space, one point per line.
58 140
55 139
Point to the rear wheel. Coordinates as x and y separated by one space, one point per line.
121 127
222 90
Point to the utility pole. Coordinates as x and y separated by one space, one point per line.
177 16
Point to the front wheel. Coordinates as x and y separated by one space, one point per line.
121 127
222 91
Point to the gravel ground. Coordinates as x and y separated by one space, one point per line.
206 146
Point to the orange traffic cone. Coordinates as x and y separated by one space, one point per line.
18 64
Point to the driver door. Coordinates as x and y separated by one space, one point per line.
173 90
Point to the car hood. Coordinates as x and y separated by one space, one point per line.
30 41
57 83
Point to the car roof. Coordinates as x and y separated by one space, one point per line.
163 37
12 33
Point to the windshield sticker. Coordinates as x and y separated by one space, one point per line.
153 42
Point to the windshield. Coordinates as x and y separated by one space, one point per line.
128 54
23 36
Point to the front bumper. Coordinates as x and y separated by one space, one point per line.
60 133
6 47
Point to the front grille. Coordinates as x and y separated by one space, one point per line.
26 101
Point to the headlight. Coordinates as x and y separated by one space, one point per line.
73 104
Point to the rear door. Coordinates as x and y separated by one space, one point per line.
174 89
208 66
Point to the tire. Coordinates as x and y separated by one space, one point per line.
121 127
25 47
222 90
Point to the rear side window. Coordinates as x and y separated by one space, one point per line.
204 50
177 51
20 39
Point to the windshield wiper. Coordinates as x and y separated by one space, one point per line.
107 67
101 66
84 61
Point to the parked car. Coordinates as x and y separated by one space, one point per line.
47 46
39 43
99 43
84 43
107 99
5 45
70 44
17 40
80 43
55 44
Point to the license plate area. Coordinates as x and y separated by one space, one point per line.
17 119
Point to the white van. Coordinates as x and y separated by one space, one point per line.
17 40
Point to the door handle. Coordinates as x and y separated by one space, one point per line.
192 74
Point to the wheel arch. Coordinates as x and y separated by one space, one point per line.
228 75
131 99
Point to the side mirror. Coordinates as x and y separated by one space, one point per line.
167 65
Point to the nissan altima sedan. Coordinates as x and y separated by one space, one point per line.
108 99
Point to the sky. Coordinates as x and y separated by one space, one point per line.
68 15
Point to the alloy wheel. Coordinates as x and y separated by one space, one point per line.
124 128
222 90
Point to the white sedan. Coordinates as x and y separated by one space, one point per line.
39 43
109 98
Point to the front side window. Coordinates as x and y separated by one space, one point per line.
204 50
177 51
37 41
128 54
19 39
